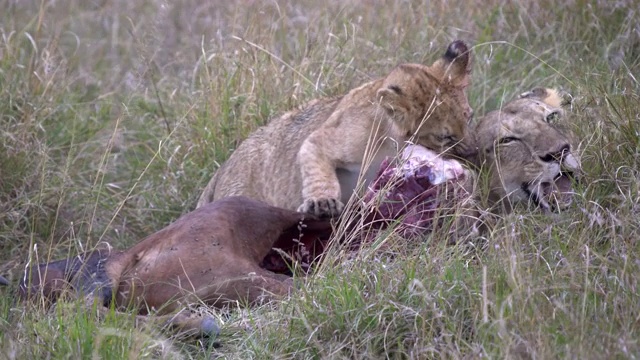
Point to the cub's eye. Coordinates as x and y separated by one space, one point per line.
448 139
551 118
507 140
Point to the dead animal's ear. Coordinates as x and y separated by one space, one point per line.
455 65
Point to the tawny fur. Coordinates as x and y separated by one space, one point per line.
310 159
529 153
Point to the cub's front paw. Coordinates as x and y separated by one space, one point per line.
327 208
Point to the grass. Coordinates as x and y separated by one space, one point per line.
114 115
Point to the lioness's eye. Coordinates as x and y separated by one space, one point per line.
553 116
507 139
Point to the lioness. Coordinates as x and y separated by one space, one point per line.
528 151
310 159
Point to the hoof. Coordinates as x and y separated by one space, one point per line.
209 327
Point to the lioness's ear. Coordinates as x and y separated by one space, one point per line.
539 93
455 65
552 97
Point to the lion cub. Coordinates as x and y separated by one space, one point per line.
312 158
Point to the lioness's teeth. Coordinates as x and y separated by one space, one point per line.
571 162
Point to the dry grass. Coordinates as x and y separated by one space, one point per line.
114 114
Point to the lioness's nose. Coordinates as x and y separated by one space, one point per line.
556 155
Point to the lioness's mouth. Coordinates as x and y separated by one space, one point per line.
555 196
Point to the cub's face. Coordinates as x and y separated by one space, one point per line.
429 104
530 157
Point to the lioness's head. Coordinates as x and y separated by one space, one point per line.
429 103
529 156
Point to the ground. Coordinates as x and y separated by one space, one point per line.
114 115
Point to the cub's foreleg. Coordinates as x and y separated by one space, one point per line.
320 185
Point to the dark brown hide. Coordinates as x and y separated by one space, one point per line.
84 273
212 254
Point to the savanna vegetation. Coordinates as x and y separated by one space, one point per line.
114 114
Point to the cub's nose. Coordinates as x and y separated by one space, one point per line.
467 148
468 153
468 113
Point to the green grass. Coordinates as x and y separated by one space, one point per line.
114 115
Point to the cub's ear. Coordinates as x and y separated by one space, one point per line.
389 97
455 65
